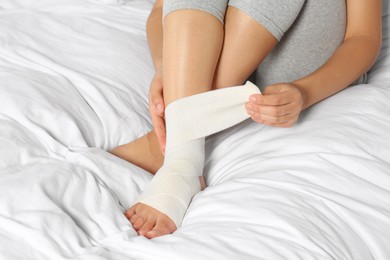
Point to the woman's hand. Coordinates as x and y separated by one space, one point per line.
280 105
156 109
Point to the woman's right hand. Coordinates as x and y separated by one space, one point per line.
156 109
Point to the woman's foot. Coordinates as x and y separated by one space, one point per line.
143 152
149 222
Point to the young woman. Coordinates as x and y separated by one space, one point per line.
302 51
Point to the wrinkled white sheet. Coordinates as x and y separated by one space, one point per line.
74 76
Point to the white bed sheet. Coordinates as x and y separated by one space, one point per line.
74 77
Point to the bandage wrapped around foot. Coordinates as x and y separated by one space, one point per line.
188 121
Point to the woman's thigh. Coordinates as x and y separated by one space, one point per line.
214 7
309 31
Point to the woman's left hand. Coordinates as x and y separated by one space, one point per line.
279 105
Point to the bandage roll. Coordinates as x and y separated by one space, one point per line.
207 113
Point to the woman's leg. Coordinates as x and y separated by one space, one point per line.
192 68
144 152
187 73
233 69
246 44
192 45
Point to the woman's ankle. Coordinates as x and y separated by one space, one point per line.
143 152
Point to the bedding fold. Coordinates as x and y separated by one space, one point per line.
74 79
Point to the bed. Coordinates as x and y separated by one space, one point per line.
74 78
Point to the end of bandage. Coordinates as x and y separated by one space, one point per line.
207 113
252 86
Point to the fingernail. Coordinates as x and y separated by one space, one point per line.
250 112
249 107
253 99
160 108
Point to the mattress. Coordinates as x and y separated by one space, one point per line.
74 78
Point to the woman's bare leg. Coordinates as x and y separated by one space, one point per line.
191 69
246 44
143 152
192 45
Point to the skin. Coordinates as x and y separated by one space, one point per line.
280 105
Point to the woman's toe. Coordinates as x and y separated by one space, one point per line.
139 223
146 227
157 231
130 212
164 227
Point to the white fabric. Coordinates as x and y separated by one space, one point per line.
208 113
75 75
188 121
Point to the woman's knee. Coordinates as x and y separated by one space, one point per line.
215 7
275 15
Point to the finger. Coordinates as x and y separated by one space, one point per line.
275 119
278 99
272 110
202 183
158 107
159 125
284 121
282 125
160 130
156 100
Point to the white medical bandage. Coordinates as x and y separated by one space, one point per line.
188 121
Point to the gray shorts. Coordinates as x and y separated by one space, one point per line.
264 11
309 31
